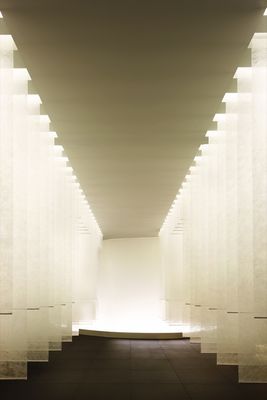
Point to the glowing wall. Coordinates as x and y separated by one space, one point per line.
220 217
129 283
49 238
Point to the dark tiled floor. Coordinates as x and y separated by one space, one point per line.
101 369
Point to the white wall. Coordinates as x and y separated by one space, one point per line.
85 279
129 281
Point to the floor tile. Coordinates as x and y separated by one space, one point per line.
80 354
116 345
72 363
110 364
230 372
112 354
50 391
212 391
162 391
226 391
147 344
177 353
107 376
13 389
141 376
53 375
201 375
100 391
150 364
248 391
181 354
188 362
148 353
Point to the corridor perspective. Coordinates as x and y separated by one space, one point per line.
133 199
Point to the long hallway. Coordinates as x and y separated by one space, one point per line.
106 369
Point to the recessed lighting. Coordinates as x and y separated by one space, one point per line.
211 133
229 97
219 117
45 118
243 72
21 73
34 99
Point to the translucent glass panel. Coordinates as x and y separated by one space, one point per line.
222 208
44 220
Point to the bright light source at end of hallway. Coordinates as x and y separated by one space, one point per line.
1 15
265 12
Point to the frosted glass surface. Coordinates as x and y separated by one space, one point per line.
48 233
222 211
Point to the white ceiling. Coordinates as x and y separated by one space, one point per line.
131 88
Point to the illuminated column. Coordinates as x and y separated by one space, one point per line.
172 268
88 241
59 165
41 215
9 367
19 205
67 260
54 333
228 315
43 312
259 159
193 226
253 352
37 344
245 215
201 301
209 321
223 203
